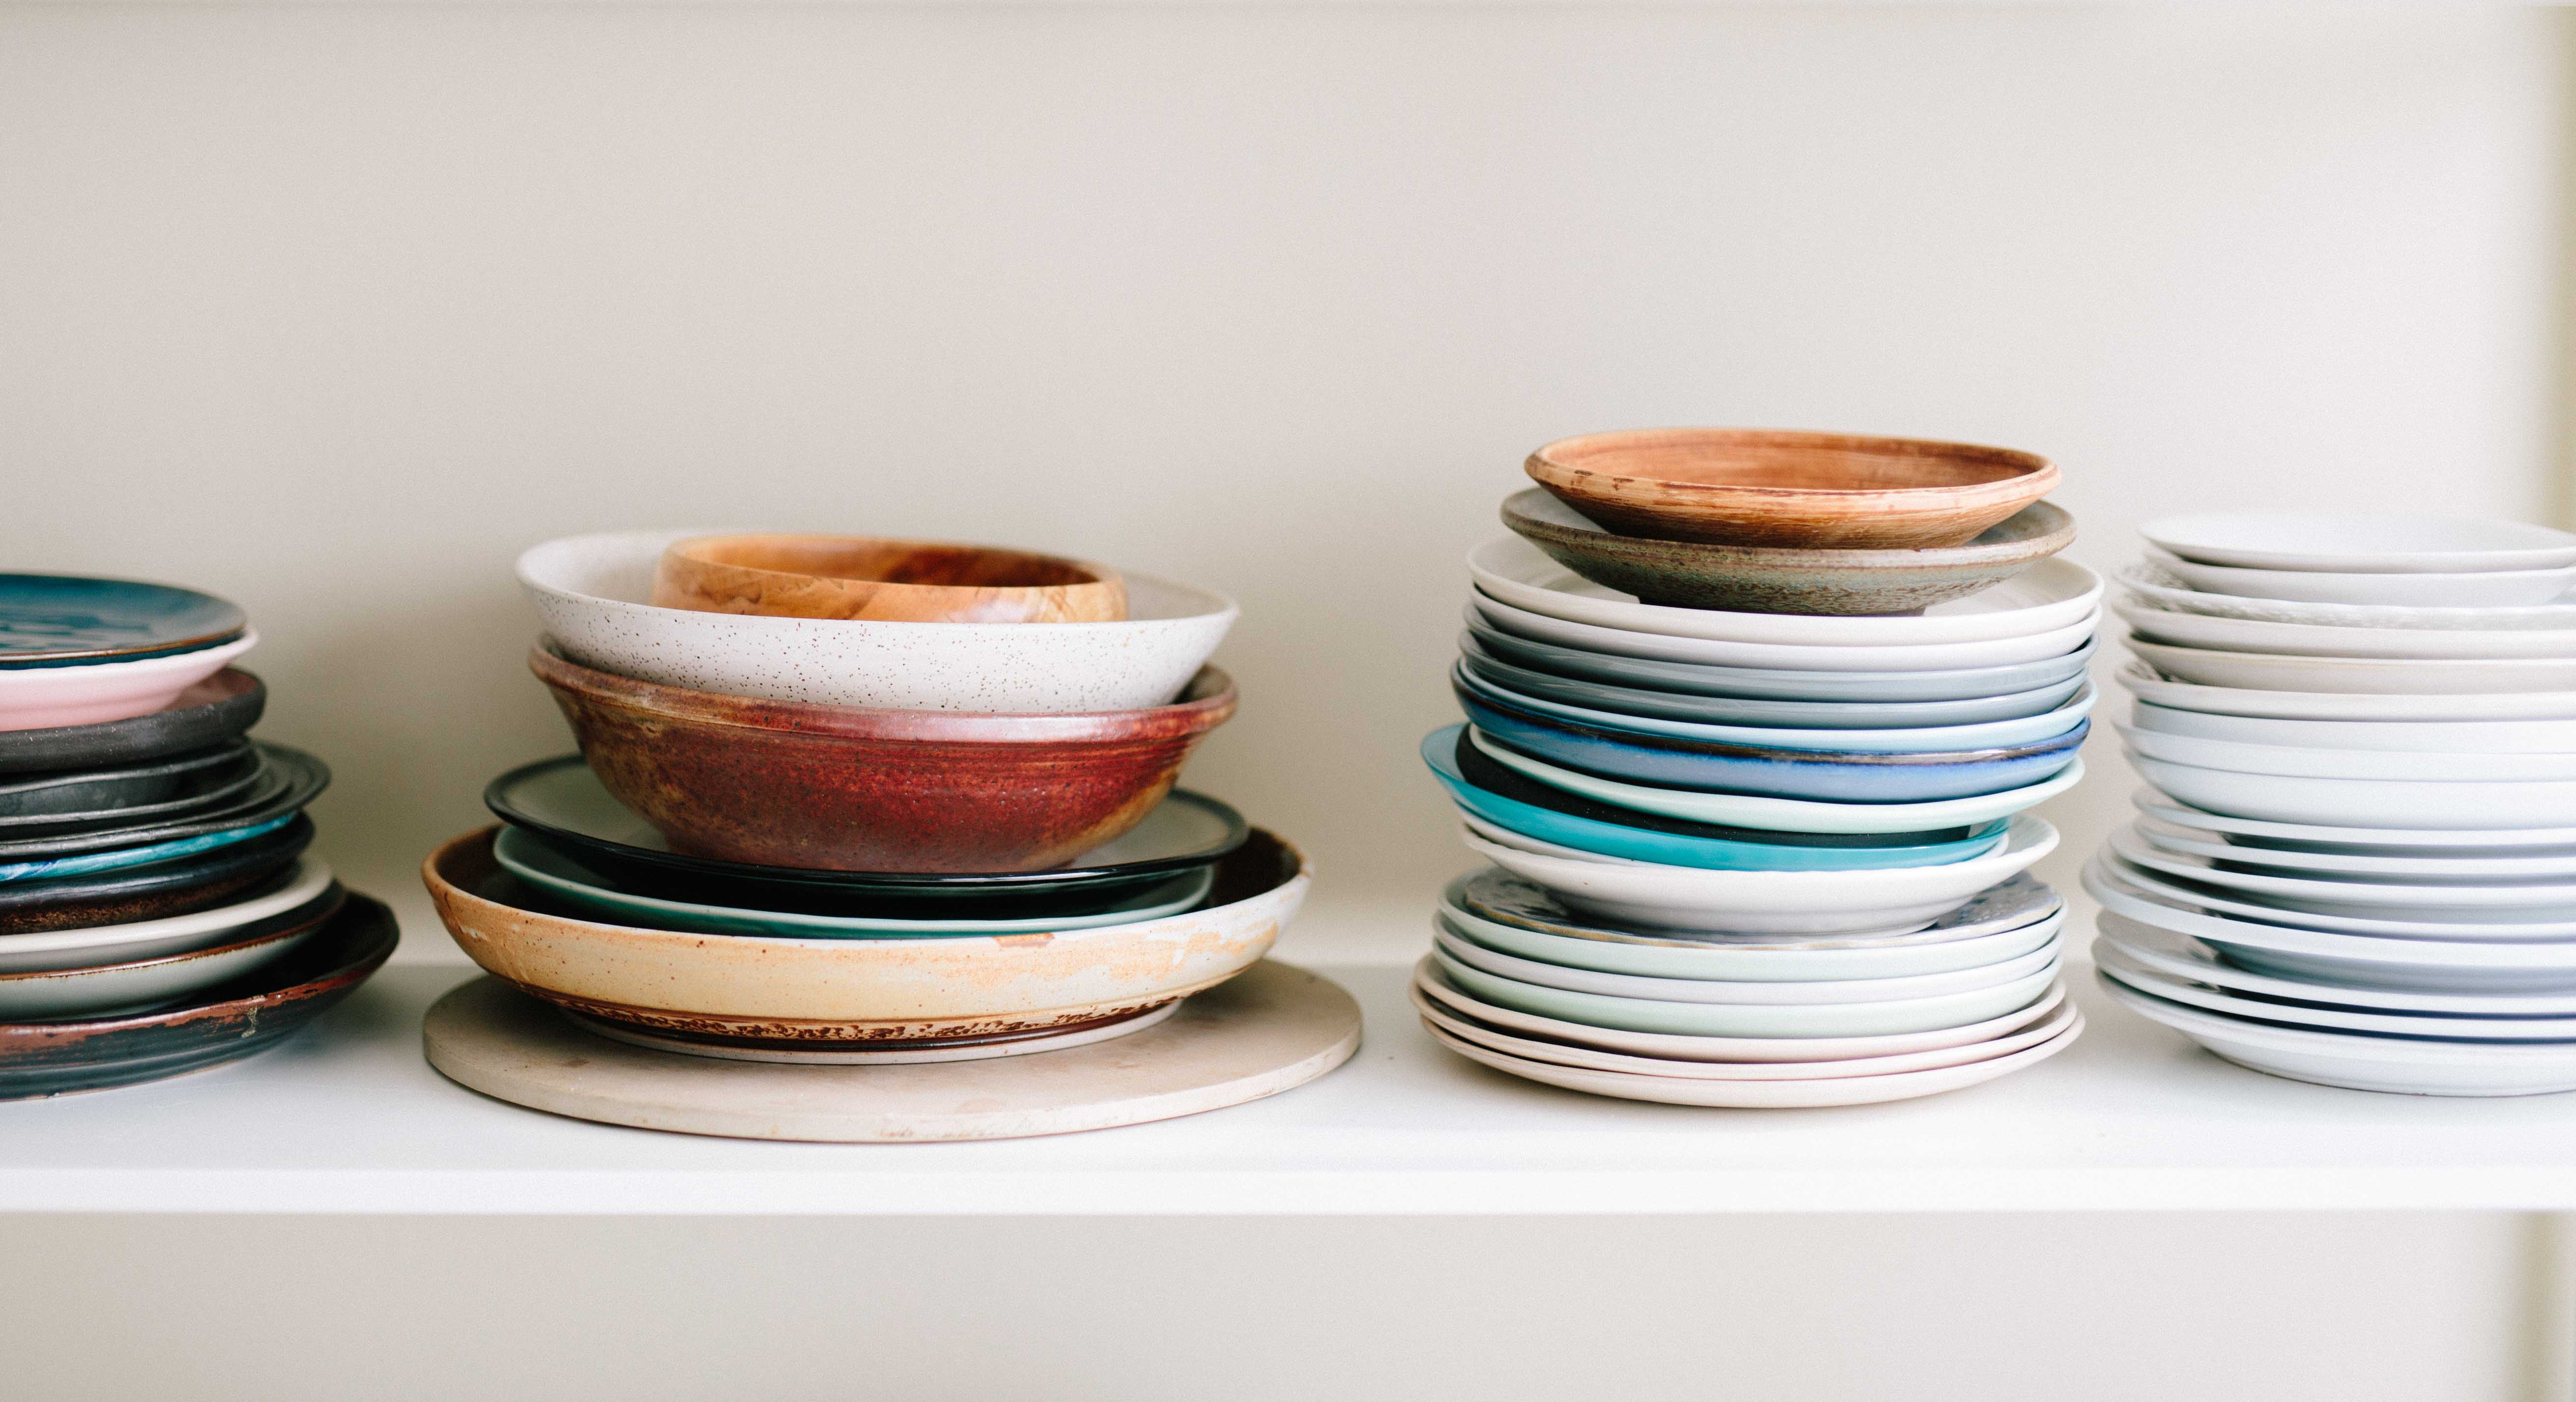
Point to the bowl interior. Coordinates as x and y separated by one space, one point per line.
1783 461
930 564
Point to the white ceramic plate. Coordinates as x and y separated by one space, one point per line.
137 985
1667 1047
2418 926
2359 542
593 594
2387 866
1748 1019
2053 594
2485 589
2164 625
2336 838
1790 814
1733 993
2180 956
2146 685
1996 734
1923 657
2360 1061
1773 902
2160 585
2314 762
2392 803
43 950
1762 1095
2113 964
2466 902
2383 676
2489 737
1965 694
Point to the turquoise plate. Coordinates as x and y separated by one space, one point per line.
64 620
88 862
556 874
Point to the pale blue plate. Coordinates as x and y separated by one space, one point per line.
1487 664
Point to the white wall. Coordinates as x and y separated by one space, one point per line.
334 310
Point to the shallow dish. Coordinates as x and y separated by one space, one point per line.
2359 1061
1888 901
56 620
838 576
45 870
206 715
1494 897
2393 803
1790 1021
2266 671
194 882
1788 814
33 698
2048 596
1637 703
281 782
2359 543
2418 927
2318 762
2146 685
93 797
2180 956
1816 775
2113 964
1758 579
247 1016
2496 589
2158 584
303 892
1996 686
1455 943
1428 980
2395 866
563 803
839 991
592 593
776 783
560 876
2491 737
141 984
2466 901
1775 487
1792 657
2315 640
2337 838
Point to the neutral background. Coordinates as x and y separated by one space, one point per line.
335 309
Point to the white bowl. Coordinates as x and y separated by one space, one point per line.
1742 993
2143 683
2497 589
2053 594
2182 957
2387 899
2337 837
592 593
1886 900
2360 543
1806 657
1749 1019
2157 583
2165 625
2320 762
2384 676
2392 803
2114 964
2494 737
2360 1061
42 950
38 698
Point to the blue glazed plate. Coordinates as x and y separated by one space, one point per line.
556 874
52 868
1813 775
1643 844
1763 683
62 620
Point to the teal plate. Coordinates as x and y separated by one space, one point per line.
556 874
63 620
86 863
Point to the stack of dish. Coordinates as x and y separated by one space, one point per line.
847 800
157 914
1751 716
2358 863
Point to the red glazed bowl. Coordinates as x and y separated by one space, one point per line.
782 783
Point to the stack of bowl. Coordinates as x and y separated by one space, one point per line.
848 800
157 914
2358 862
1753 720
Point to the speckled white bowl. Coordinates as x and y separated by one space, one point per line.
591 590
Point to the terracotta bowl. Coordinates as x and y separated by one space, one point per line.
1800 491
840 991
1756 579
778 783
918 581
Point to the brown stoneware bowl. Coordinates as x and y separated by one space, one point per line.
1756 579
765 992
779 783
1800 491
916 581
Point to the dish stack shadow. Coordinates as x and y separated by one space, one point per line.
157 912
2357 865
851 801
1753 720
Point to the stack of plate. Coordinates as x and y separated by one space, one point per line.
156 912
2358 866
1788 790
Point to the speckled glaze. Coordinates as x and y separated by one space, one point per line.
781 784
33 698
921 581
212 712
827 992
1753 579
155 892
593 594
1800 491
250 1015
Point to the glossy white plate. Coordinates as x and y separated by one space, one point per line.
2489 737
2143 683
1458 945
1924 657
2390 803
2360 542
37 995
1663 1046
2180 956
2053 594
2384 676
2160 585
2338 838
1747 1019
42 950
2483 589
2419 928
2112 963
1995 734
2466 902
2389 866
2322 762
2312 640
2361 1061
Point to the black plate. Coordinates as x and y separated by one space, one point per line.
222 1024
39 805
174 887
286 779
213 712
562 804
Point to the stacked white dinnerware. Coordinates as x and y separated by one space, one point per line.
2357 865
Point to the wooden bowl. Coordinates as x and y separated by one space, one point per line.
913 581
839 788
1783 489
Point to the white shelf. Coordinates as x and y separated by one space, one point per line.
349 1119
